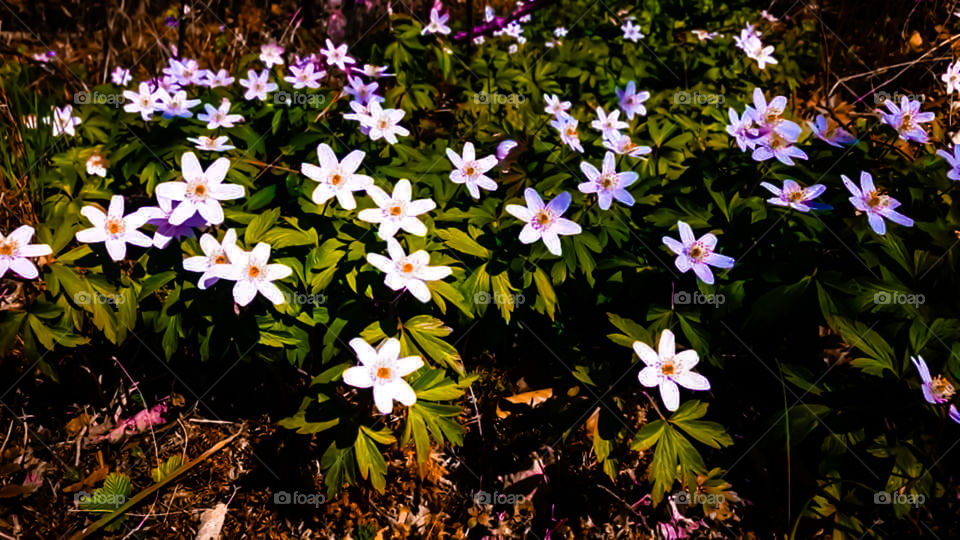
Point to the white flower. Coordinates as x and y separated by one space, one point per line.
257 85
383 123
470 170
220 78
216 117
560 31
305 77
252 274
271 54
372 71
214 254
952 77
97 164
438 23
114 229
337 178
608 184
608 124
621 143
64 121
556 107
567 127
408 272
631 32
397 211
143 101
211 144
15 249
337 56
666 369
383 370
543 221
200 191
176 105
512 48
120 76
631 101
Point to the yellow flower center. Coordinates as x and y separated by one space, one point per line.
336 179
668 368
543 218
469 170
396 210
383 373
941 388
254 271
795 196
7 248
114 226
220 259
407 267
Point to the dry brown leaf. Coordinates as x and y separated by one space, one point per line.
531 398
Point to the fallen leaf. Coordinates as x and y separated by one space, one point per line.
211 522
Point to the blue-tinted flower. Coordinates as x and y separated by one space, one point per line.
543 221
120 76
953 160
743 129
830 132
631 101
906 119
795 196
608 184
631 31
567 127
622 144
608 124
875 204
696 254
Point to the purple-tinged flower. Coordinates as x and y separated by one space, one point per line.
631 31
778 143
954 414
373 71
15 250
556 107
305 76
120 76
795 196
567 127
952 77
622 144
906 119
217 117
220 78
361 92
271 54
257 85
607 183
697 254
631 101
337 56
743 129
953 160
543 221
166 231
936 390
830 132
438 22
176 105
504 148
211 144
876 205
608 124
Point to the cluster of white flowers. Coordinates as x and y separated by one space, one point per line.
749 42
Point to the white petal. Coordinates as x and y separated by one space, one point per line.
358 376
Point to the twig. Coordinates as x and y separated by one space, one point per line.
99 524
